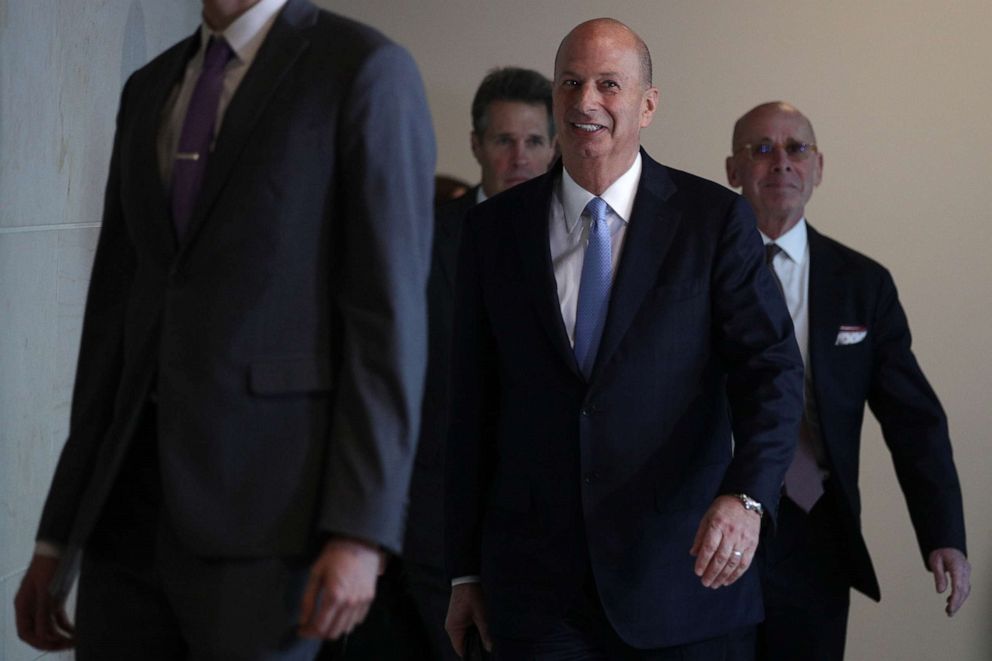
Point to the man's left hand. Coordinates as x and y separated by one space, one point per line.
951 561
725 542
340 589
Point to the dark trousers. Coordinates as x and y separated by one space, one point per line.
405 622
806 585
144 595
585 634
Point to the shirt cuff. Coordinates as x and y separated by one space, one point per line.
48 549
462 580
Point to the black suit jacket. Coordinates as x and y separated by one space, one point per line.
849 289
284 338
552 478
425 531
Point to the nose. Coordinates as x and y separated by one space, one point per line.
519 154
780 160
588 97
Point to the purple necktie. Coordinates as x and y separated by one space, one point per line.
804 479
198 133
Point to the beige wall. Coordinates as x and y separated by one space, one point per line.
901 97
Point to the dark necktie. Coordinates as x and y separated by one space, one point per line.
804 479
197 134
594 287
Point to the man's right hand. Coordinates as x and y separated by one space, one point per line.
41 620
464 610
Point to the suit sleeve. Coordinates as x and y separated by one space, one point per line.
915 429
101 353
471 442
756 341
383 225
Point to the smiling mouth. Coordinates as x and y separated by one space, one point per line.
588 128
780 185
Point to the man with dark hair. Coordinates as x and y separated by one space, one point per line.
615 323
513 131
513 140
855 341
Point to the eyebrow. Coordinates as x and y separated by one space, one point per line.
600 74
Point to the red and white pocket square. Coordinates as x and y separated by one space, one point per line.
851 335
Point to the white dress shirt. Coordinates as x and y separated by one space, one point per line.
245 36
792 267
569 236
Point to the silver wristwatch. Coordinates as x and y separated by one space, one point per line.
750 503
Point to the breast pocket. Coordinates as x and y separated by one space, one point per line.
678 291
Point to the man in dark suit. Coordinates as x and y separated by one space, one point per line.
615 322
855 342
513 140
249 383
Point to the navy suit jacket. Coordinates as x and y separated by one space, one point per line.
849 289
552 479
284 338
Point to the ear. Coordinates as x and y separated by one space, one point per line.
819 169
732 177
476 146
554 151
649 105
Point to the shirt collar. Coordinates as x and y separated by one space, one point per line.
246 34
480 195
619 196
793 243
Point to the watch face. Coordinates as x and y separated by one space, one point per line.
751 504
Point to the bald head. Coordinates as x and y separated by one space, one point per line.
599 27
765 110
776 164
601 101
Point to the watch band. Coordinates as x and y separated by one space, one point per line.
750 503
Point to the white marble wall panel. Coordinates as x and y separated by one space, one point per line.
62 66
43 276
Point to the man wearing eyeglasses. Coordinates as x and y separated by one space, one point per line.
855 344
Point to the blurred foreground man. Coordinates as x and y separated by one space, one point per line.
248 392
613 317
855 343
513 140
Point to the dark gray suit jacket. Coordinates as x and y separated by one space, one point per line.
285 337
847 289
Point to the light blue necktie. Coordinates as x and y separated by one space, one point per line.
594 287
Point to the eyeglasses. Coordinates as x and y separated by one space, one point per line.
764 151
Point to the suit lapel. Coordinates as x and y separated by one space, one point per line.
151 103
282 47
824 300
826 291
533 243
653 224
449 230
